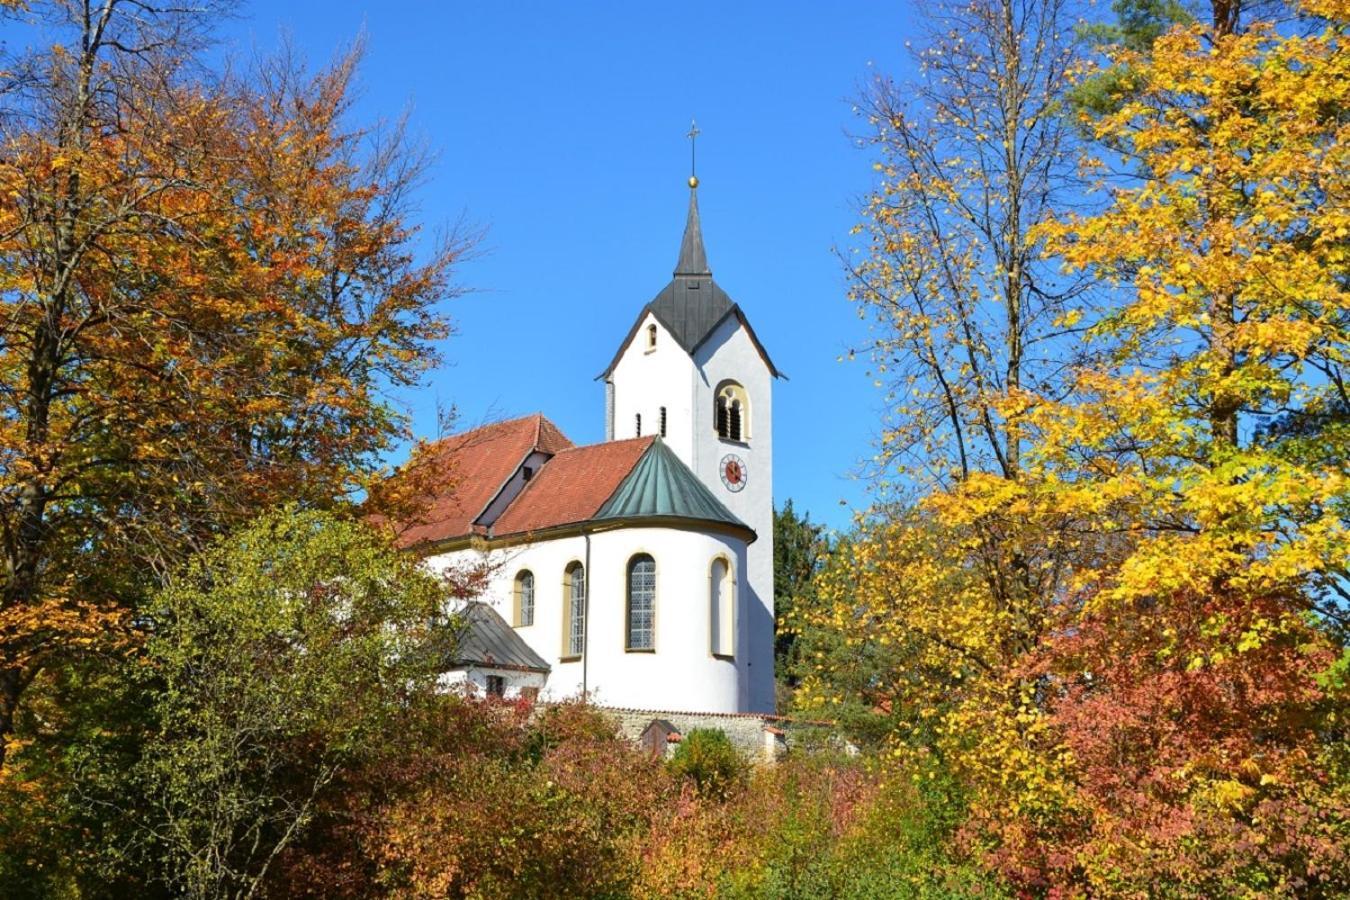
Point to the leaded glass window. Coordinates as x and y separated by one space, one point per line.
576 610
525 599
641 603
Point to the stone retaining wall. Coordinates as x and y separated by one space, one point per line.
760 737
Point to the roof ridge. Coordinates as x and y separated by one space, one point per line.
640 437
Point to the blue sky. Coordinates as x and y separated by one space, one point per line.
559 129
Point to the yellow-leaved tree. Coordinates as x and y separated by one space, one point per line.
1160 696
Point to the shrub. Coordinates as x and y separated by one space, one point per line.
706 756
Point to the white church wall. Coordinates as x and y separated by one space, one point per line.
730 354
681 672
646 379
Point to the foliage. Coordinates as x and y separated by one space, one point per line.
208 288
1126 650
706 757
808 827
800 548
278 657
485 799
971 155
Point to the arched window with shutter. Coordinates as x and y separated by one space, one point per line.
641 604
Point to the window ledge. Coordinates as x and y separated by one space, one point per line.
639 649
727 656
734 443
567 659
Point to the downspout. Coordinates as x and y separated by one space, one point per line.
586 623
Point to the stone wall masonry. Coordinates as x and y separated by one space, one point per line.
759 737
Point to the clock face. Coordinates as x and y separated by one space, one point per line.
734 472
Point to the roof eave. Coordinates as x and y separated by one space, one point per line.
749 330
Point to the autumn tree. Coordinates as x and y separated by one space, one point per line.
209 285
1196 676
972 155
278 658
929 608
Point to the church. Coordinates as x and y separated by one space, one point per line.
637 572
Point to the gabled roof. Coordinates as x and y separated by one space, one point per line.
571 486
616 482
662 486
485 640
692 305
477 464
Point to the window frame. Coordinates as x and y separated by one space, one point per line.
572 612
731 403
630 572
716 614
518 599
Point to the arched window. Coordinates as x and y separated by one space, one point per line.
651 337
574 613
642 603
663 421
732 412
524 598
722 608
637 424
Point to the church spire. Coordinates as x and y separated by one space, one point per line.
693 258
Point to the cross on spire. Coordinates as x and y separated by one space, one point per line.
693 152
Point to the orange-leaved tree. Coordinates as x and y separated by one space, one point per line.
209 286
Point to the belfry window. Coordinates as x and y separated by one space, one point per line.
663 421
574 614
637 425
732 412
642 603
651 337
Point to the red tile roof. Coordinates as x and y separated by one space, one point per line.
478 463
572 486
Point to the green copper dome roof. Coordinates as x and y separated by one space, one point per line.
661 485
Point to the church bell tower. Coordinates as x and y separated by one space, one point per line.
692 371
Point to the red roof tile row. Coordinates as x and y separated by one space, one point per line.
477 464
570 487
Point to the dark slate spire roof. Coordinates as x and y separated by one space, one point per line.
692 305
693 259
485 640
662 486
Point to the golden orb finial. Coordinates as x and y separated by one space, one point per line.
693 181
